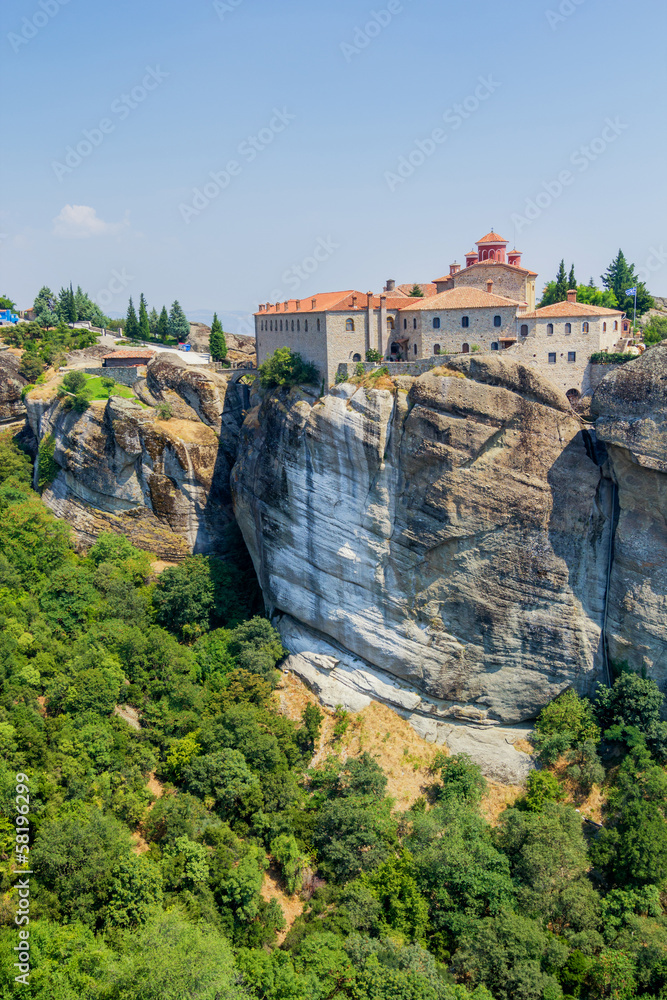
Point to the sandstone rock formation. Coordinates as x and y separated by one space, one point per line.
12 407
448 539
631 409
128 466
239 347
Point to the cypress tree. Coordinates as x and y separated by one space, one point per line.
131 323
179 328
572 281
144 326
153 320
163 326
561 283
217 344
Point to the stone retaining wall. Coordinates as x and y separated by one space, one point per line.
402 367
124 376
596 372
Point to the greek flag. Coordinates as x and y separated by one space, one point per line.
631 291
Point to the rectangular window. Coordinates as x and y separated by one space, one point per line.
552 359
571 355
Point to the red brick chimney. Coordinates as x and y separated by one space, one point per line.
489 286
572 295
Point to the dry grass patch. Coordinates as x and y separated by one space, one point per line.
446 372
404 756
497 798
188 431
273 887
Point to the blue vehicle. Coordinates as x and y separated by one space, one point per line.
8 316
185 347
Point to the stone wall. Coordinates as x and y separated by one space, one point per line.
452 335
509 281
311 344
124 376
596 373
403 367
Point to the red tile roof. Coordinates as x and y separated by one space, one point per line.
462 297
566 309
139 352
491 238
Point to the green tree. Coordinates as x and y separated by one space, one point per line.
285 368
45 308
561 283
136 889
416 292
163 326
144 325
612 976
618 278
564 724
309 734
292 860
66 306
542 787
131 323
402 906
216 342
633 701
179 328
153 322
571 281
462 780
655 330
225 777
184 597
31 366
7 303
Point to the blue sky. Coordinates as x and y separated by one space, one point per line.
315 106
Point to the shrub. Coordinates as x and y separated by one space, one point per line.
47 465
373 356
164 411
359 369
31 367
564 724
615 358
462 780
542 787
286 368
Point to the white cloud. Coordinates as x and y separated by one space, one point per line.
81 221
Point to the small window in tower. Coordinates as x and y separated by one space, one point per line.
305 325
318 324
615 324
281 326
550 329
552 359
405 324
436 323
414 323
298 324
292 326
524 329
415 348
349 325
571 356
390 322
436 348
604 327
465 321
497 321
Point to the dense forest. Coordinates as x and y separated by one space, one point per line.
115 678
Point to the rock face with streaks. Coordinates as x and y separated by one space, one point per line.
155 468
450 534
631 409
12 407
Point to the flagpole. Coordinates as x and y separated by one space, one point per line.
634 320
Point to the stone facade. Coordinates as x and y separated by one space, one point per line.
124 376
449 336
509 280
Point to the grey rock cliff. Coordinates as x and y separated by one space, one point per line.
452 534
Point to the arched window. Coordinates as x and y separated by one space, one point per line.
298 324
305 325
495 346
604 327
568 328
436 348
497 321
415 348
405 324
436 322
357 357
550 329
524 329
615 324
281 326
414 323
585 327
318 324
390 322
466 348
292 326
395 349
349 324
465 321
